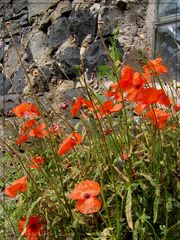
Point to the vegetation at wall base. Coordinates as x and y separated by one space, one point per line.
114 175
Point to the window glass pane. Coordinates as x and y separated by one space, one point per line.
168 46
168 7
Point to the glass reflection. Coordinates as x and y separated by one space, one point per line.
168 7
168 37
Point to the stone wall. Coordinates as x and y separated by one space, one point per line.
50 33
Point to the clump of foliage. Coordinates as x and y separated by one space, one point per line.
112 176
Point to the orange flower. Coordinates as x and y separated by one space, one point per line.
140 107
135 83
92 105
114 91
35 227
26 109
125 156
16 186
68 143
146 95
158 117
28 124
77 104
55 129
21 139
108 107
163 98
37 162
177 107
126 78
149 96
39 131
86 194
108 132
155 66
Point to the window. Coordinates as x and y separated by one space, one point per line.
168 35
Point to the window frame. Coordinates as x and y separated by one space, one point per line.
160 21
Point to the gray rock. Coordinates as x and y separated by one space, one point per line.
18 81
35 9
8 12
63 9
1 21
24 20
44 75
2 45
15 26
65 86
95 55
12 59
68 59
19 5
59 32
9 101
25 31
82 23
81 5
38 45
4 85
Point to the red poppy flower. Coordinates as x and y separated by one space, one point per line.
91 105
108 132
149 96
39 131
163 98
55 129
86 194
155 66
37 162
68 143
26 109
145 95
125 156
177 107
108 107
21 139
140 107
35 227
28 124
158 117
114 91
131 82
16 186
77 104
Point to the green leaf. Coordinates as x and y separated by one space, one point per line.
128 208
149 178
136 227
156 203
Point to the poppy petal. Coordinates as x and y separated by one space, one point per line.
116 108
69 142
88 206
16 186
39 131
26 109
21 139
76 106
140 108
34 228
87 186
37 162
